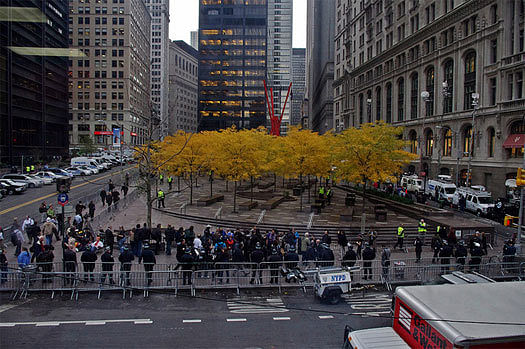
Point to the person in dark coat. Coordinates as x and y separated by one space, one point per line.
125 189
109 239
369 254
436 245
103 197
187 260
326 255
475 256
116 198
350 257
418 243
276 258
88 260
169 236
70 264
125 259
91 209
342 241
310 254
109 200
257 257
461 254
326 239
107 265
156 234
149 262
45 259
221 258
445 254
291 257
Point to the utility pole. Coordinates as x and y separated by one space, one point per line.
475 103
445 93
425 95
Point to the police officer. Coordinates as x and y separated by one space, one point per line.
170 182
436 245
350 257
274 258
422 228
170 236
149 262
160 198
257 257
107 265
461 254
444 255
326 255
369 254
475 256
187 260
125 259
418 243
292 257
161 177
400 237
509 252
88 259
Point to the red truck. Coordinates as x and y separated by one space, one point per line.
487 315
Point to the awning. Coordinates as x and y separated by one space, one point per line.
514 141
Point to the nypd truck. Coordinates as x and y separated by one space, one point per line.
331 283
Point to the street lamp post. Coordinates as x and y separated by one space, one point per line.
425 95
445 93
475 103
369 109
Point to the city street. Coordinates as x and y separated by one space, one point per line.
82 188
218 320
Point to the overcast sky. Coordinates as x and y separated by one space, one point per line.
184 18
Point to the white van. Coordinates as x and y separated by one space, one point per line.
478 202
441 188
412 183
83 161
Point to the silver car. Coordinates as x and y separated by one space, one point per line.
30 181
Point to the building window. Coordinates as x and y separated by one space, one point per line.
470 80
467 141
449 78
389 103
378 104
429 109
369 106
414 87
493 90
401 99
429 143
519 84
494 14
412 139
361 108
493 50
492 142
447 143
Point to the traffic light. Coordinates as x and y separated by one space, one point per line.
520 178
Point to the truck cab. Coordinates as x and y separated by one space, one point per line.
412 183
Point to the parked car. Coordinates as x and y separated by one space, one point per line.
47 174
3 191
476 201
30 181
59 171
13 187
93 168
83 172
75 171
45 180
88 171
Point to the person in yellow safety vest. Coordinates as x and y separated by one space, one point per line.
160 198
28 169
32 168
400 237
422 228
321 192
170 182
161 177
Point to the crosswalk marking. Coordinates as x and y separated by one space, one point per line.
324 317
235 320
369 305
76 322
256 305
281 318
193 321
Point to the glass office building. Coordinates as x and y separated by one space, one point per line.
232 49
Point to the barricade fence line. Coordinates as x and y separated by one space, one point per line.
42 277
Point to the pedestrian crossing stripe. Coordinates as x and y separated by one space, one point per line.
256 305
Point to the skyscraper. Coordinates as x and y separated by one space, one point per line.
232 48
299 84
160 19
109 88
33 81
320 63
195 39
280 20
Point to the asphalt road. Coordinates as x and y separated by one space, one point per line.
82 188
211 320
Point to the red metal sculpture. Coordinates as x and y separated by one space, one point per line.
275 121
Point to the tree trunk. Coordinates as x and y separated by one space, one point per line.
301 189
178 184
283 182
196 178
363 209
274 181
226 185
191 188
235 197
149 200
211 185
308 188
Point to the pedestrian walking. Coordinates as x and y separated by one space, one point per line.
461 254
111 186
79 208
24 258
369 254
43 211
169 236
350 257
342 241
109 239
436 245
419 248
91 209
475 256
385 262
422 228
257 257
103 197
187 260
445 254
26 226
124 189
109 200
160 198
3 266
170 182
116 198
19 239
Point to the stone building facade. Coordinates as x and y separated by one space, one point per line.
468 55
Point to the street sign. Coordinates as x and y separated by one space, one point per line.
63 199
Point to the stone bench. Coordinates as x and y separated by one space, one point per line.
207 201
247 205
272 203
347 215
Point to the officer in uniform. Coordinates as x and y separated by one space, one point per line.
88 259
275 258
326 255
149 262
350 257
107 265
445 254
257 257
187 260
476 253
170 182
125 259
400 237
292 257
70 263
461 254
160 198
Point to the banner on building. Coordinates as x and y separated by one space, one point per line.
116 137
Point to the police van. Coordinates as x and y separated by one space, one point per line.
441 188
477 201
412 183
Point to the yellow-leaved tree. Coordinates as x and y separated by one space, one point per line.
238 156
303 152
374 152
